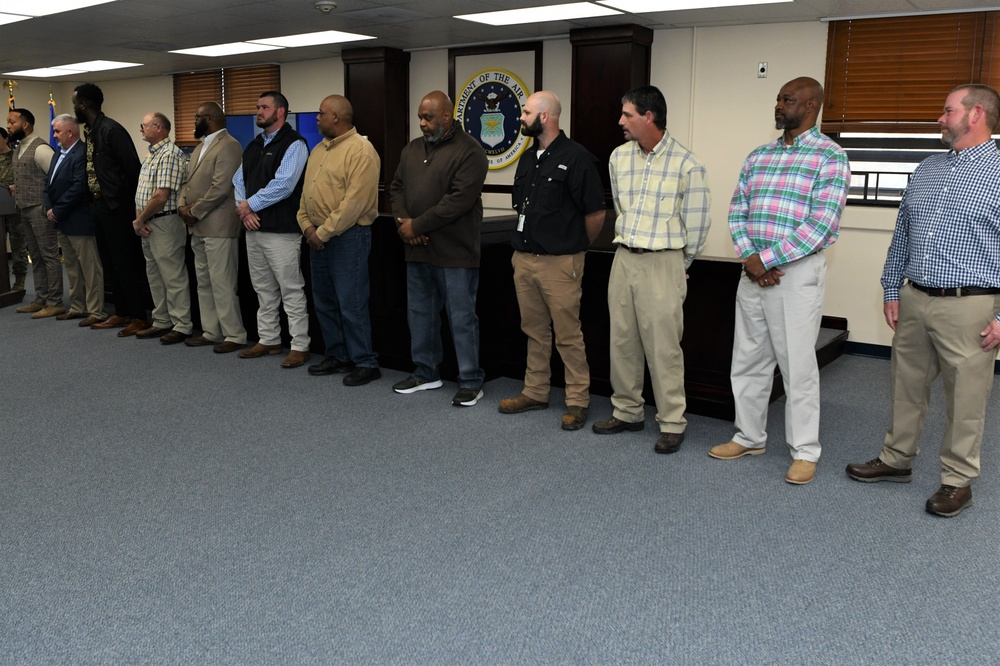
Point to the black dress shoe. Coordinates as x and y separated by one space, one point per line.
615 425
361 376
669 442
330 366
949 501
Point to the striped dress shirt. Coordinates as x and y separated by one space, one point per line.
948 228
661 198
788 202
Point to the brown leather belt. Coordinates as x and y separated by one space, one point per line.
956 291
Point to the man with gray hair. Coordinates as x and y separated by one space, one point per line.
163 233
67 206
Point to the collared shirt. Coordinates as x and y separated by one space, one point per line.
553 192
206 141
165 167
662 198
948 228
788 201
62 155
293 163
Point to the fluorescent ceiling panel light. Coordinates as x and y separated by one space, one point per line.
12 18
46 7
234 48
312 39
645 6
574 10
99 65
44 72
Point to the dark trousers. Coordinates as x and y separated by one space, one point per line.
121 254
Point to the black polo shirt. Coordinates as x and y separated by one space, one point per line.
554 193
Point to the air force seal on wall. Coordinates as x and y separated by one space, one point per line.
489 108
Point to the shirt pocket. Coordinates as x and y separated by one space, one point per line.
550 189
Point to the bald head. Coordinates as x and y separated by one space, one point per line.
545 101
208 119
339 105
798 106
336 116
540 117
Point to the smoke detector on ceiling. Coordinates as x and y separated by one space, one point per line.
325 6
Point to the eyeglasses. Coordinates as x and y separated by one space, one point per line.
143 126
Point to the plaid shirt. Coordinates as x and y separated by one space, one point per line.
788 202
662 198
948 228
165 167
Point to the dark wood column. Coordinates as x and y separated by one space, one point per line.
377 83
607 63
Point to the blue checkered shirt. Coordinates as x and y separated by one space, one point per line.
948 228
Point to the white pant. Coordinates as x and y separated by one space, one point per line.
276 274
780 324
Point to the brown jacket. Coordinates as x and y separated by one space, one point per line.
208 188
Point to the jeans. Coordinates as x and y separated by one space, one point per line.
340 296
429 288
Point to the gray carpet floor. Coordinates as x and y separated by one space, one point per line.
167 505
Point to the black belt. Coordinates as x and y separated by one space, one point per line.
956 291
534 254
166 212
640 250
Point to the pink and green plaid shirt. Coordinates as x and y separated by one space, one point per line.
788 202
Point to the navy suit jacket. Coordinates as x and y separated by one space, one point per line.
68 194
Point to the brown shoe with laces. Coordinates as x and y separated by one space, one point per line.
876 470
949 501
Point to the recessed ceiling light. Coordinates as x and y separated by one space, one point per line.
44 72
99 65
573 10
233 48
46 7
12 18
312 39
642 6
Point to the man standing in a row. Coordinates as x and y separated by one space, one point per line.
207 205
784 213
67 207
112 175
339 204
560 203
31 164
12 222
438 205
946 317
268 191
163 234
661 196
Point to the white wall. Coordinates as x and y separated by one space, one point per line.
717 107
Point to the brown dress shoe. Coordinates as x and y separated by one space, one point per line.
226 347
521 403
199 341
114 321
173 337
134 327
295 359
615 425
89 321
30 307
949 501
152 332
259 350
876 470
574 418
70 314
669 442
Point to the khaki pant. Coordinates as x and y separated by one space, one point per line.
549 288
940 335
167 273
84 273
646 300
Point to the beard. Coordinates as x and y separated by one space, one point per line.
201 128
950 136
16 135
435 136
534 129
82 119
267 121
787 123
